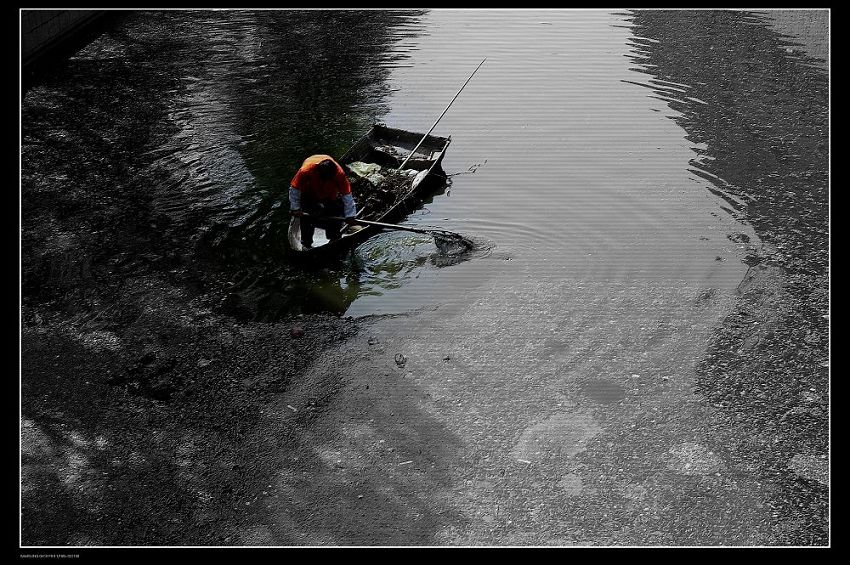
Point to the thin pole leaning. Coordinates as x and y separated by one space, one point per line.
441 115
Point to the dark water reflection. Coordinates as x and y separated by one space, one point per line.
759 107
621 166
165 147
757 103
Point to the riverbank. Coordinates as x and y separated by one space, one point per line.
643 359
767 368
187 427
138 436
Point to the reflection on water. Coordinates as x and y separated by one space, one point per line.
167 145
806 30
174 136
578 173
758 109
758 106
620 167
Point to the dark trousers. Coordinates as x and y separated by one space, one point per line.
316 210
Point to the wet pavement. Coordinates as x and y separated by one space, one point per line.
637 354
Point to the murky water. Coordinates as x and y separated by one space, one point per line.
617 171
577 173
187 126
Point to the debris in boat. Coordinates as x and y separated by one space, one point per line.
392 151
364 169
376 188
368 171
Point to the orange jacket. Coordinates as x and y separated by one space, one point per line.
307 181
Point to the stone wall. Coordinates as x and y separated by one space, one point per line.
43 30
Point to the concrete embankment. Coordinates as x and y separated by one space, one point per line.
49 36
43 31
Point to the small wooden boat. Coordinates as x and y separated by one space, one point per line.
387 148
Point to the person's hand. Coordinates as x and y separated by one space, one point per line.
296 213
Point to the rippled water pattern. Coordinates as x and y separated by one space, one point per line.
583 147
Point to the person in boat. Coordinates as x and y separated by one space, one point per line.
319 190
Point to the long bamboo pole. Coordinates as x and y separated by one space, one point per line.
441 115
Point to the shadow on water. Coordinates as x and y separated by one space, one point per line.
55 57
760 107
155 165
266 281
104 467
167 145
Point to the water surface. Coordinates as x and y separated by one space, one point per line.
560 162
620 171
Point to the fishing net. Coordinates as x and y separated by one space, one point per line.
451 243
376 189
